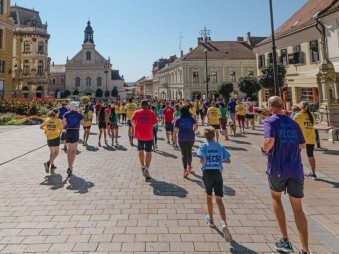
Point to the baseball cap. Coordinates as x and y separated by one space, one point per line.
72 105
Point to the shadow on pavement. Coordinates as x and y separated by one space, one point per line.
228 191
335 184
168 155
54 180
235 148
108 148
120 148
241 142
78 184
161 188
332 152
91 148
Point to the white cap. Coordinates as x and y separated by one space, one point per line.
72 105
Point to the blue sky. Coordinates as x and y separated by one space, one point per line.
135 33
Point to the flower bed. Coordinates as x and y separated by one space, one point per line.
26 120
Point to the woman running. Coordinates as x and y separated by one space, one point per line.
223 120
88 117
102 124
185 126
52 127
123 113
113 119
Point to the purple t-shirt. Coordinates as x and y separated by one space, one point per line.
284 159
205 106
185 125
73 119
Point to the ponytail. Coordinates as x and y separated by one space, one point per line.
310 115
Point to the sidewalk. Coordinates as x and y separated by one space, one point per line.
107 207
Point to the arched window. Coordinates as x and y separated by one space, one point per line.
40 47
26 67
77 81
53 81
62 80
99 81
88 55
40 67
88 82
27 47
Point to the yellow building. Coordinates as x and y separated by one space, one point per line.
6 48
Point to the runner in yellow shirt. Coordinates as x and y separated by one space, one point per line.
131 107
240 111
117 107
88 117
213 116
52 127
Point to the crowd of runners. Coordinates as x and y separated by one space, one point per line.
180 120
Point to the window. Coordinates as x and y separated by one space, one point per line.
261 61
270 58
2 7
2 66
40 47
88 82
214 77
1 38
99 81
232 76
53 81
77 82
26 67
40 67
306 94
195 77
88 56
296 56
314 51
27 47
62 80
283 56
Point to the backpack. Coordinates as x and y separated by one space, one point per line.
251 109
111 117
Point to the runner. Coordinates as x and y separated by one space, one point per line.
123 113
88 118
97 109
155 133
143 121
185 126
118 111
201 107
62 110
213 115
176 114
52 127
240 114
72 120
223 120
205 107
130 107
102 125
249 114
107 113
212 155
161 113
168 115
113 119
231 107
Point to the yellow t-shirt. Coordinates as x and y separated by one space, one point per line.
306 126
240 110
193 109
53 127
117 109
131 107
123 109
88 118
213 115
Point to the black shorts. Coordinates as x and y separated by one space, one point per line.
309 150
145 145
249 116
212 179
169 127
72 136
216 126
294 187
129 123
53 142
102 125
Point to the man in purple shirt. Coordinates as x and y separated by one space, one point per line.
282 145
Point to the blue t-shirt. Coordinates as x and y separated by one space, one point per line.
232 106
205 106
214 154
62 111
284 159
185 125
73 119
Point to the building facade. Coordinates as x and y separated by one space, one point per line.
57 80
31 68
226 61
89 73
6 49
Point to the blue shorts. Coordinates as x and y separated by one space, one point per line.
129 123
232 115
169 127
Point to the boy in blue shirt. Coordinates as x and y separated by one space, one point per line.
212 155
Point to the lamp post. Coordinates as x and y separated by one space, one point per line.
205 33
106 67
274 55
207 78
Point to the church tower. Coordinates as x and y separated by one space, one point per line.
89 33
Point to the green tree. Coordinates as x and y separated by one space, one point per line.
85 99
99 93
76 92
266 79
66 94
249 85
225 89
115 92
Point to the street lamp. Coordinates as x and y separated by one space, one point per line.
205 33
207 78
106 67
274 55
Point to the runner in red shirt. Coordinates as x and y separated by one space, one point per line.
97 109
143 121
168 115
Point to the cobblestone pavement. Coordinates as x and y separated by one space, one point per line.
108 207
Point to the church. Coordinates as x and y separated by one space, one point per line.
89 73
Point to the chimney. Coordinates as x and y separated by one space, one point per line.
181 53
200 40
240 38
191 49
248 35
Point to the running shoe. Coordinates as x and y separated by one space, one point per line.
176 147
190 168
312 176
304 252
186 173
209 222
69 172
284 245
53 167
47 164
227 234
146 173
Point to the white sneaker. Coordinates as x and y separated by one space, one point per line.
227 234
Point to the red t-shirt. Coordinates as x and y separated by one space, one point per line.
108 112
98 107
145 119
168 114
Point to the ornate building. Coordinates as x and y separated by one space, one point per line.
89 73
30 54
6 48
56 86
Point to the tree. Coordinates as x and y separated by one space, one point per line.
76 92
266 79
115 92
98 93
85 99
225 89
249 85
66 94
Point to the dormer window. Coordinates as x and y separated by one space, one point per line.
295 23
